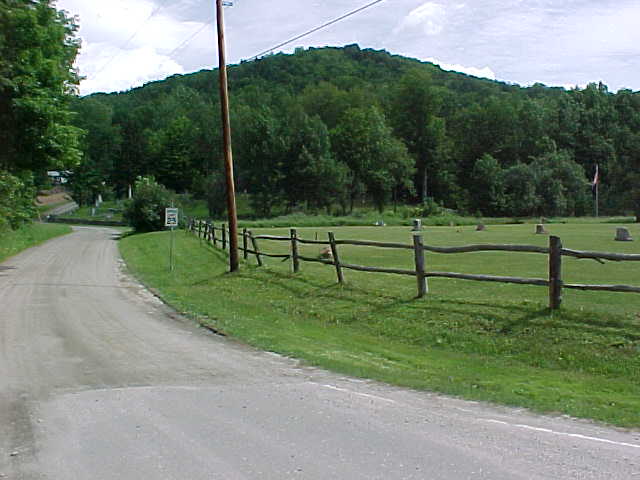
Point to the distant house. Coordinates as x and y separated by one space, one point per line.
57 178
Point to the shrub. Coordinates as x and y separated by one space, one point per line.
16 201
145 211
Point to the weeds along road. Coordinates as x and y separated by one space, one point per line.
98 380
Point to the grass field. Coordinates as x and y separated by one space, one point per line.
480 341
13 242
111 211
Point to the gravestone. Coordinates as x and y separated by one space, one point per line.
622 235
417 225
540 229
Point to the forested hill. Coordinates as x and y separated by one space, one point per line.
327 127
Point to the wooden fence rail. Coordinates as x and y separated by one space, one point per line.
554 251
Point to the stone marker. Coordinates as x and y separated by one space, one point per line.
540 229
622 235
417 225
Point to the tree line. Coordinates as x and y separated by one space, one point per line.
37 83
330 127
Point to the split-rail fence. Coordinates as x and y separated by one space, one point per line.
219 235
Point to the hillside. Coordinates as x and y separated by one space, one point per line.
327 127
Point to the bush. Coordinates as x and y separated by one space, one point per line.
145 211
16 201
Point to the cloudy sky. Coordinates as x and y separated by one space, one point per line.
557 42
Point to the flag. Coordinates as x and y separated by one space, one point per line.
596 180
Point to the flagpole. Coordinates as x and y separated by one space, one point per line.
596 185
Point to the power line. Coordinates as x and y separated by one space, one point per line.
325 25
195 33
154 12
191 37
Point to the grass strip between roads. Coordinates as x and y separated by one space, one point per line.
13 242
506 350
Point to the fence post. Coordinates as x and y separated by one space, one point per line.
224 236
336 258
245 254
254 242
555 272
214 238
418 253
294 250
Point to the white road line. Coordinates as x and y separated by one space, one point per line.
564 434
366 395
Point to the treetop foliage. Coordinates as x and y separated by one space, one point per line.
332 126
37 82
37 50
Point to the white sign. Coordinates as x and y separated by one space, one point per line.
170 217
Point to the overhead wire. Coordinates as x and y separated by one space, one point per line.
314 30
153 13
195 33
209 22
191 37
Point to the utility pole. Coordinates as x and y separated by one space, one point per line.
226 128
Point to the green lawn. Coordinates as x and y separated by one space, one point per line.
43 209
110 211
481 341
13 242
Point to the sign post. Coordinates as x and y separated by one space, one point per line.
171 220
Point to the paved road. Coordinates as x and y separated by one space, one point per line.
98 380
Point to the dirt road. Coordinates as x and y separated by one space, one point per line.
98 380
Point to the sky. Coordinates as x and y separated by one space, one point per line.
126 43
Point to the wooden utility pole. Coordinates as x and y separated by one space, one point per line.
228 155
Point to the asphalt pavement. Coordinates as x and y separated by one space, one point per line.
100 380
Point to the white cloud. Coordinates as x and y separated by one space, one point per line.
484 72
430 17
554 41
125 69
127 43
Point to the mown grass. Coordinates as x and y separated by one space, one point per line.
14 241
111 211
490 342
43 209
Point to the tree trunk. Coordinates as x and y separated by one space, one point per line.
395 200
425 192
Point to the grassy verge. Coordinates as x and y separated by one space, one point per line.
43 209
110 211
490 342
13 242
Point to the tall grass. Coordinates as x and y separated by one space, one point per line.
14 241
